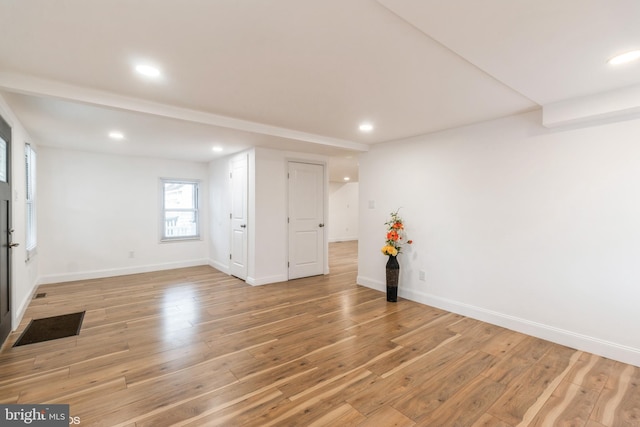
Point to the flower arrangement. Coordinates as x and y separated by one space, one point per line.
396 236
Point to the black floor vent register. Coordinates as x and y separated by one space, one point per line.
51 328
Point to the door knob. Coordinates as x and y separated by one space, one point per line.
243 226
320 225
13 245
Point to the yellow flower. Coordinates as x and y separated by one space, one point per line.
389 250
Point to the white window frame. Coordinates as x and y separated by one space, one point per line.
30 200
195 209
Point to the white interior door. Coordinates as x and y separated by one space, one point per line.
306 220
5 230
239 197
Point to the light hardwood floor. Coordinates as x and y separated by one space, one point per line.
194 347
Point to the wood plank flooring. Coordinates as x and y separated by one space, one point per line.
195 347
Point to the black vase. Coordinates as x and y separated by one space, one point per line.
393 272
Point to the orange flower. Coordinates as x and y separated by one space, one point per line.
396 236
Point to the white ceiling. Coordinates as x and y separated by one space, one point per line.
298 75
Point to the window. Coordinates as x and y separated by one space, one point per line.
180 219
30 162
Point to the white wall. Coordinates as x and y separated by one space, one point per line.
24 273
95 208
343 211
268 254
537 230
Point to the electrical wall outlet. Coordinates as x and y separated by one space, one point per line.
421 275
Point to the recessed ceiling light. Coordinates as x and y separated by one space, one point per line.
147 70
116 135
346 178
625 57
217 149
366 127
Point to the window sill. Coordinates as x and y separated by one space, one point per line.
180 239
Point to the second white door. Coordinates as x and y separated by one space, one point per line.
239 238
306 219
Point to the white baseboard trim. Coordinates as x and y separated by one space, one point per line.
371 283
220 266
99 274
19 314
571 339
253 281
342 239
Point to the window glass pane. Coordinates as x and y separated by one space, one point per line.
180 209
28 160
30 196
3 160
31 227
179 195
180 224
